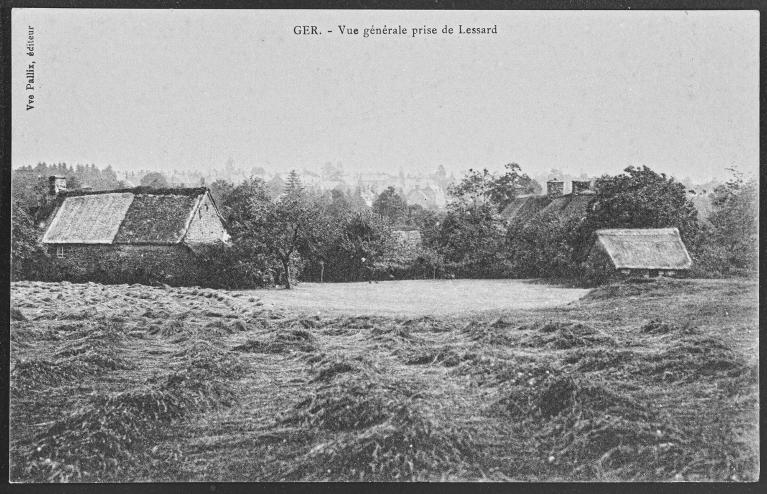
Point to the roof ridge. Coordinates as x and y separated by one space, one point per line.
139 190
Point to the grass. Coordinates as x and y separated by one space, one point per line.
184 384
414 298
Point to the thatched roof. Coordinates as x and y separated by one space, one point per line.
650 248
128 216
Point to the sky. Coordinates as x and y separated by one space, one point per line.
583 92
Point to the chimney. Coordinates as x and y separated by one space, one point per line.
555 188
581 186
57 184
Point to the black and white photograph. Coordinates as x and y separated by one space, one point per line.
383 245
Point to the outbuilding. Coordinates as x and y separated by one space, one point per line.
644 252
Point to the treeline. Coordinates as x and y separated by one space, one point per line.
334 236
77 176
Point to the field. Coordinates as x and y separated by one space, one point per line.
634 381
413 298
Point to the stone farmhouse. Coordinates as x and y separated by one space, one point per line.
131 234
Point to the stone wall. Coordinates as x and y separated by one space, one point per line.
206 225
172 264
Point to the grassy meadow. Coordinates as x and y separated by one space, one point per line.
633 381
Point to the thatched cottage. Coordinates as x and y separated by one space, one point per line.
132 234
640 251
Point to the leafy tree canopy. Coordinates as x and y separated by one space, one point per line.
389 204
479 187
155 180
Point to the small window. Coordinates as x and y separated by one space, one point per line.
60 251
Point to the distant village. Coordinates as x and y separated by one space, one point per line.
429 190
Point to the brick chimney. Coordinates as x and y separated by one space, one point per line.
581 186
57 184
555 188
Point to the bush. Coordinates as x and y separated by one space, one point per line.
234 267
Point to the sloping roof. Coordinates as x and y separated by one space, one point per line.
132 216
569 205
650 248
156 219
88 219
524 208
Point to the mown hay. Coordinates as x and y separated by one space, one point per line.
589 359
213 360
103 439
169 328
586 428
350 401
35 375
395 336
657 326
103 332
694 357
408 445
93 353
495 333
445 356
98 440
491 370
380 430
565 335
284 341
327 367
17 315
79 315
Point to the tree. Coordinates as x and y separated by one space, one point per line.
30 204
220 190
277 229
25 241
155 180
640 198
293 183
543 246
471 240
363 242
389 204
731 241
479 187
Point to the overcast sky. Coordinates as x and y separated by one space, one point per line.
587 92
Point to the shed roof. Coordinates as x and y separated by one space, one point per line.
648 248
124 217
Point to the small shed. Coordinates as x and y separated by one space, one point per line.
641 251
